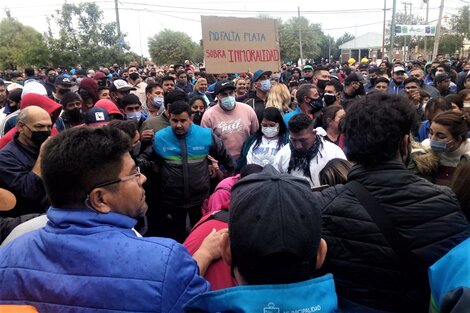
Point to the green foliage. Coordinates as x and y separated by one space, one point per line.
84 39
312 39
20 45
169 47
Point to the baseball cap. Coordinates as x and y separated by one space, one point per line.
351 78
398 69
223 85
274 231
441 77
96 117
120 85
34 87
260 73
307 67
63 80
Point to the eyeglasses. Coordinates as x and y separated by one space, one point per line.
122 179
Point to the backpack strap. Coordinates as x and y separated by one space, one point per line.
221 216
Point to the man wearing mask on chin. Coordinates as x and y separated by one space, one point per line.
231 121
62 84
20 162
309 102
257 98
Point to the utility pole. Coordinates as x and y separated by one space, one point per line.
425 37
300 40
117 19
383 32
404 37
438 31
392 31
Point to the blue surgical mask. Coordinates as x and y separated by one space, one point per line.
265 85
440 146
228 103
158 101
134 116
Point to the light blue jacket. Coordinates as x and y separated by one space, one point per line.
315 295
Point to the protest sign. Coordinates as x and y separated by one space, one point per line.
234 45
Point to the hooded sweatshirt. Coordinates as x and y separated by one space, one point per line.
109 106
52 107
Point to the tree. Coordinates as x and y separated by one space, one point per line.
20 45
83 38
460 26
169 46
335 51
312 39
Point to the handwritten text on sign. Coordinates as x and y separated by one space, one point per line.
234 45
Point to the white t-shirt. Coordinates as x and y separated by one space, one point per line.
263 154
328 152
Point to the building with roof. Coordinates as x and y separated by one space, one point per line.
367 45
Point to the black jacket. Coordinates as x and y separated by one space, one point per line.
366 269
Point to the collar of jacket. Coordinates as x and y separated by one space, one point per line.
359 171
84 220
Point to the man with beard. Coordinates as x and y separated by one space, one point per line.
62 85
353 89
309 102
182 82
307 153
396 83
97 195
71 112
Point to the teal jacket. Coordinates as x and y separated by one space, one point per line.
315 295
184 171
449 279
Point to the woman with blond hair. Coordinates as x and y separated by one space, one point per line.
200 89
279 98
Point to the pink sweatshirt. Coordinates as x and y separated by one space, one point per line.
233 127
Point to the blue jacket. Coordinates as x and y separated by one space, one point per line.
308 296
82 261
16 162
449 279
289 115
394 89
184 171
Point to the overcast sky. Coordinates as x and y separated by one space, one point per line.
141 19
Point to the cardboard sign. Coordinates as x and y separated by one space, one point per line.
234 45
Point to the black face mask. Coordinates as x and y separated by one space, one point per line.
134 76
321 84
329 99
73 116
372 81
316 105
38 137
51 79
197 117
308 79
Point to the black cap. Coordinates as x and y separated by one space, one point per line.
274 226
441 77
63 80
223 85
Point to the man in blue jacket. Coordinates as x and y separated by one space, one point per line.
274 248
182 155
88 258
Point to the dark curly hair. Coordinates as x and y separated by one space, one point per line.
374 128
79 158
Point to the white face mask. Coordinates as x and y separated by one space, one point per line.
466 104
270 132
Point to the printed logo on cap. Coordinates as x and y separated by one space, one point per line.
99 116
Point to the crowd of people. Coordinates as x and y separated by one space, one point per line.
323 188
